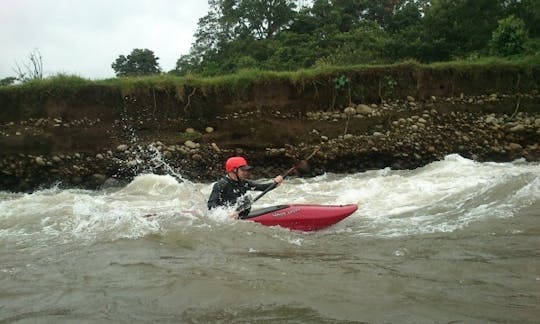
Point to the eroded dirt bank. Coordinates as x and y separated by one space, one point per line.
75 132
92 147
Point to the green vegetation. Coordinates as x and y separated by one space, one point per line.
275 36
326 88
510 38
339 77
60 84
139 62
7 81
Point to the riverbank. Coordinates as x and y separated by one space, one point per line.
91 151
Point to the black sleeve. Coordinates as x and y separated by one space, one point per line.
259 186
215 199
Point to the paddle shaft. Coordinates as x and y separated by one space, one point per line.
273 185
291 170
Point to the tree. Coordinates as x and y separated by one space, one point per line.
528 11
271 35
457 28
230 30
406 28
7 81
382 11
406 16
510 37
214 31
186 64
139 62
264 18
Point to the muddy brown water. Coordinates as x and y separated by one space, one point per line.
453 242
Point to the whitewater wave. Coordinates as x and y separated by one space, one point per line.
443 196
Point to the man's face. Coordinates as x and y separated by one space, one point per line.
243 174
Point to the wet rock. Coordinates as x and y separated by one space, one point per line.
99 178
111 183
196 157
40 161
215 147
192 145
491 119
132 163
517 128
349 111
122 148
514 147
364 109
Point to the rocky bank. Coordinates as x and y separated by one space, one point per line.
93 152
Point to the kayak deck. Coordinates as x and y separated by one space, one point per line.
302 217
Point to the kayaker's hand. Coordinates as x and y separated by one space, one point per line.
234 215
278 180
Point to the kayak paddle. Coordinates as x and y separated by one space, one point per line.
246 205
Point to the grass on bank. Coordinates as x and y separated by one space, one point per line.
69 85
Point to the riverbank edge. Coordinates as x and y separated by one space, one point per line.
73 132
399 134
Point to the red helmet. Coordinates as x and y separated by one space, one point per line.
235 163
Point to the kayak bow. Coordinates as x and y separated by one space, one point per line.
302 217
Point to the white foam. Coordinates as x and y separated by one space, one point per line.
444 196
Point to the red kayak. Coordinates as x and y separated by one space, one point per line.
301 217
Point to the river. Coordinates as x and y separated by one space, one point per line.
456 241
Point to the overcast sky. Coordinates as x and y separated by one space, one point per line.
84 37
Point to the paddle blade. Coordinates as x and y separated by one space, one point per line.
303 167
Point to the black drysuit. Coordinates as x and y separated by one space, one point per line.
226 192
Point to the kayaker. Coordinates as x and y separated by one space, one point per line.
234 185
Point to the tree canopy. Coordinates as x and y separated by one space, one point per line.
139 62
278 35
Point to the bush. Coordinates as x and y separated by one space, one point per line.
509 38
